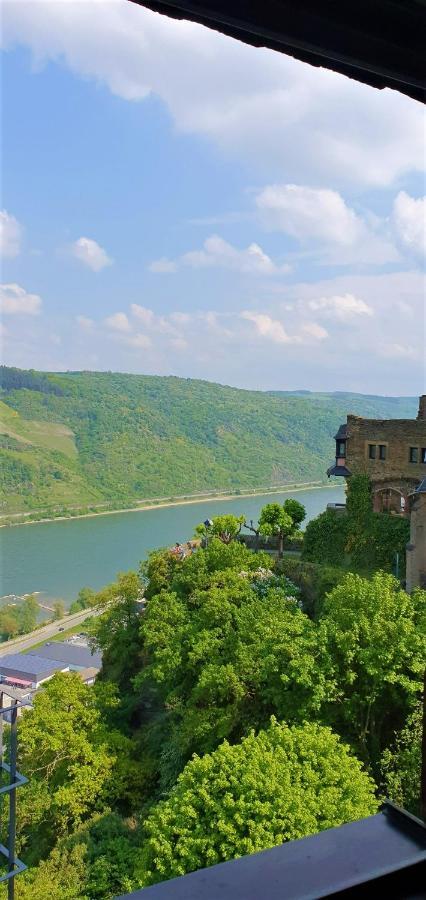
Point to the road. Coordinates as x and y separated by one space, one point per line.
25 641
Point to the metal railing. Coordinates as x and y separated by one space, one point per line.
11 779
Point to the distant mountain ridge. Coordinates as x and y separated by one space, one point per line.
81 438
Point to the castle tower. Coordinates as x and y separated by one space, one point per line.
416 549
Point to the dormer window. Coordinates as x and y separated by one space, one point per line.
341 449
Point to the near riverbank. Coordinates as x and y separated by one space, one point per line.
37 518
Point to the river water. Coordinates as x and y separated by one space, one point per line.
58 558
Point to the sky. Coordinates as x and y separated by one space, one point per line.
176 202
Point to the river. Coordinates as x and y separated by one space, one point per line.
59 558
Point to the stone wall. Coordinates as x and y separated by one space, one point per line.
416 549
397 436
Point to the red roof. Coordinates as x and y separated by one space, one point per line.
21 681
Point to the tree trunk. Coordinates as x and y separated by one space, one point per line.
280 545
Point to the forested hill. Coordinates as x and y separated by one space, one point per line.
82 438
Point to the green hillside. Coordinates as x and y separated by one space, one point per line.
86 438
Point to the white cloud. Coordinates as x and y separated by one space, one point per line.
90 254
15 300
261 107
273 329
321 216
162 265
307 213
267 327
138 341
146 316
314 330
84 322
344 308
151 321
218 253
118 322
397 351
409 216
10 234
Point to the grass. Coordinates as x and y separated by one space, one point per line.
47 435
57 637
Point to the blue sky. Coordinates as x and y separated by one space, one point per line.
174 202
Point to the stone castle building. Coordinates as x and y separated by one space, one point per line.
393 453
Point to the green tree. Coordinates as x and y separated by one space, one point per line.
9 625
375 639
226 528
27 614
116 632
279 785
222 651
401 764
275 520
58 609
86 597
325 539
76 764
59 877
296 511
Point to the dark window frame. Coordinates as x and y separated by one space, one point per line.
383 452
423 455
414 455
372 451
339 451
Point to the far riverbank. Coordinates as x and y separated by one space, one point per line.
161 503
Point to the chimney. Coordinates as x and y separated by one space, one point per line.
422 407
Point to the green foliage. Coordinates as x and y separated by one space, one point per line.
85 599
226 528
12 379
9 625
325 539
223 662
76 764
281 784
19 618
375 642
27 613
274 520
59 877
360 539
401 765
296 511
90 438
224 647
58 609
313 580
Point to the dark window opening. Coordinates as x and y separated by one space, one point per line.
414 454
423 454
371 451
382 451
341 448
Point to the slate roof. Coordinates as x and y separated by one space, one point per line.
421 488
71 654
339 471
342 433
30 666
